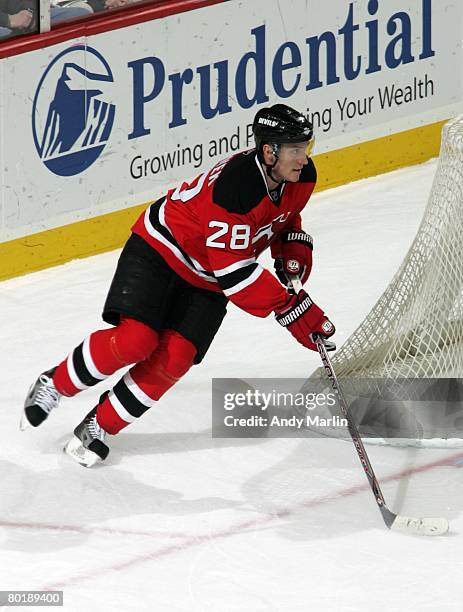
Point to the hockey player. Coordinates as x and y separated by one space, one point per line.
189 253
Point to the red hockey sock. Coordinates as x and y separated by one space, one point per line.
108 418
146 382
63 382
172 360
103 353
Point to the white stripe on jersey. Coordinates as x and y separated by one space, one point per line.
248 281
175 251
162 221
234 266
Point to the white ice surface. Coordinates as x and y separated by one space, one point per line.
178 521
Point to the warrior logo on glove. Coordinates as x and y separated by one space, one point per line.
302 318
293 256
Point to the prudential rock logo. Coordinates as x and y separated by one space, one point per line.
73 113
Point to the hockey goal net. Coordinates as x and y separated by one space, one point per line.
415 330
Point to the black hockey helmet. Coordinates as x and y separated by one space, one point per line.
280 124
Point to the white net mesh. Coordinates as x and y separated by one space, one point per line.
415 330
416 327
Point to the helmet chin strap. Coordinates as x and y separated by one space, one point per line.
270 167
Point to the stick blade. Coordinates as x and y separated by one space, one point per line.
420 526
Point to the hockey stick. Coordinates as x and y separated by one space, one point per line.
396 522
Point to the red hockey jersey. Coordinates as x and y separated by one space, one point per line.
212 230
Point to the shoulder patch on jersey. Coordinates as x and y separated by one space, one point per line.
309 173
240 186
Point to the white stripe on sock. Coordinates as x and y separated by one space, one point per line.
141 396
119 408
73 374
89 363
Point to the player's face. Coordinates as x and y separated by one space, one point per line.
291 159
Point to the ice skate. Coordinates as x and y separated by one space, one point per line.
87 447
40 401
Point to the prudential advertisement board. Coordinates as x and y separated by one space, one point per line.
112 120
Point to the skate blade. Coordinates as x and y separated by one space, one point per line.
75 449
24 422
